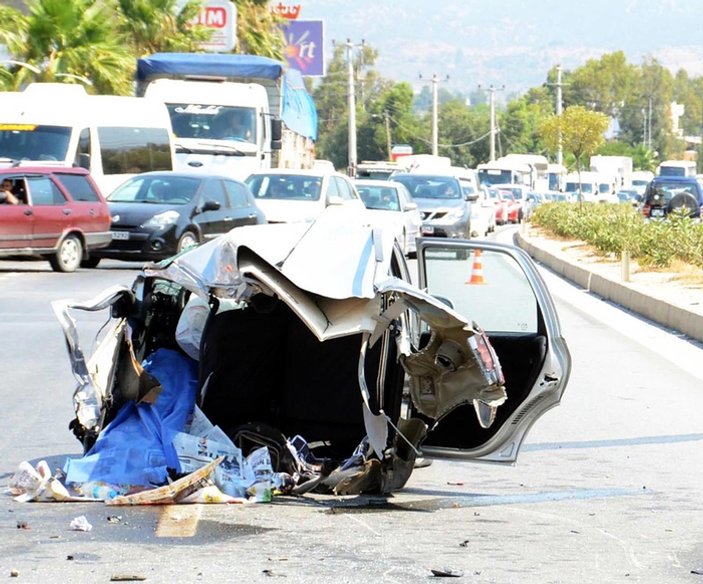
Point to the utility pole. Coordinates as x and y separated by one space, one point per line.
559 109
435 126
387 118
494 130
351 105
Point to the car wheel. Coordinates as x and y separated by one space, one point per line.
90 262
684 203
68 256
187 240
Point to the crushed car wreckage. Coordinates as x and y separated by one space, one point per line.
309 343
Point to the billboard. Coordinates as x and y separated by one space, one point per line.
304 46
221 17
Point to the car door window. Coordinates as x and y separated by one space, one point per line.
488 286
214 191
332 190
344 189
237 194
42 191
78 187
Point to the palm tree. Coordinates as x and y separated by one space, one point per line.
161 26
67 40
257 29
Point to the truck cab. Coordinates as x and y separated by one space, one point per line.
201 115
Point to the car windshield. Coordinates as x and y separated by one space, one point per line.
378 197
157 189
213 122
32 142
293 187
430 187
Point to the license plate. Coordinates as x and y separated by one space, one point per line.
657 212
122 235
427 230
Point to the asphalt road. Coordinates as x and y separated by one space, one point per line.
607 487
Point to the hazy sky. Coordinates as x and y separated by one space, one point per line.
512 41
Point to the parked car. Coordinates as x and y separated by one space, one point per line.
390 200
158 214
310 334
288 195
665 194
443 203
60 216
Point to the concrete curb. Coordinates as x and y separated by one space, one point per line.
648 305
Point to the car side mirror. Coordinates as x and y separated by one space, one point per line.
411 206
335 200
211 206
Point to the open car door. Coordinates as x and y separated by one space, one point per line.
497 286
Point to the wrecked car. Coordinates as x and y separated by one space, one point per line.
314 340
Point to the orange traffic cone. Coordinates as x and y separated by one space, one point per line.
476 270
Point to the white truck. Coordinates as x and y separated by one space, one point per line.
619 167
204 93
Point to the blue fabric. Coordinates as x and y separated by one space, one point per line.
136 447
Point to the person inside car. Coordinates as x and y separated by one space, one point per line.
7 197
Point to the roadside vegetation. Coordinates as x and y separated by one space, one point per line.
614 229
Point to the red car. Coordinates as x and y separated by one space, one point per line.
513 206
497 197
54 213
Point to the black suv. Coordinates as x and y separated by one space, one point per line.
665 194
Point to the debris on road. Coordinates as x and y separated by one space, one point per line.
80 524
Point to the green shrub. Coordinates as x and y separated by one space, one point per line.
612 229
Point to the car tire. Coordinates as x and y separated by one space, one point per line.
187 240
68 256
90 262
683 203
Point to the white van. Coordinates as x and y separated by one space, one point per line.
56 124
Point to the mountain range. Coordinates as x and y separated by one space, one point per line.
511 43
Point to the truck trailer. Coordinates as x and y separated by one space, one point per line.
232 114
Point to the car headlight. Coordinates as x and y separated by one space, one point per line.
457 213
162 220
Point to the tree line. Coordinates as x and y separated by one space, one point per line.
99 41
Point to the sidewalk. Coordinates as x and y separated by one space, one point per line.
658 296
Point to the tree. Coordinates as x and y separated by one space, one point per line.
154 26
258 32
67 40
580 132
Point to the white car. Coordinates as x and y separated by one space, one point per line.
389 200
290 196
313 340
483 215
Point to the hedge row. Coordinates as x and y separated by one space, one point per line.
617 228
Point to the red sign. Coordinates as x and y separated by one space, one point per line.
213 17
286 11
